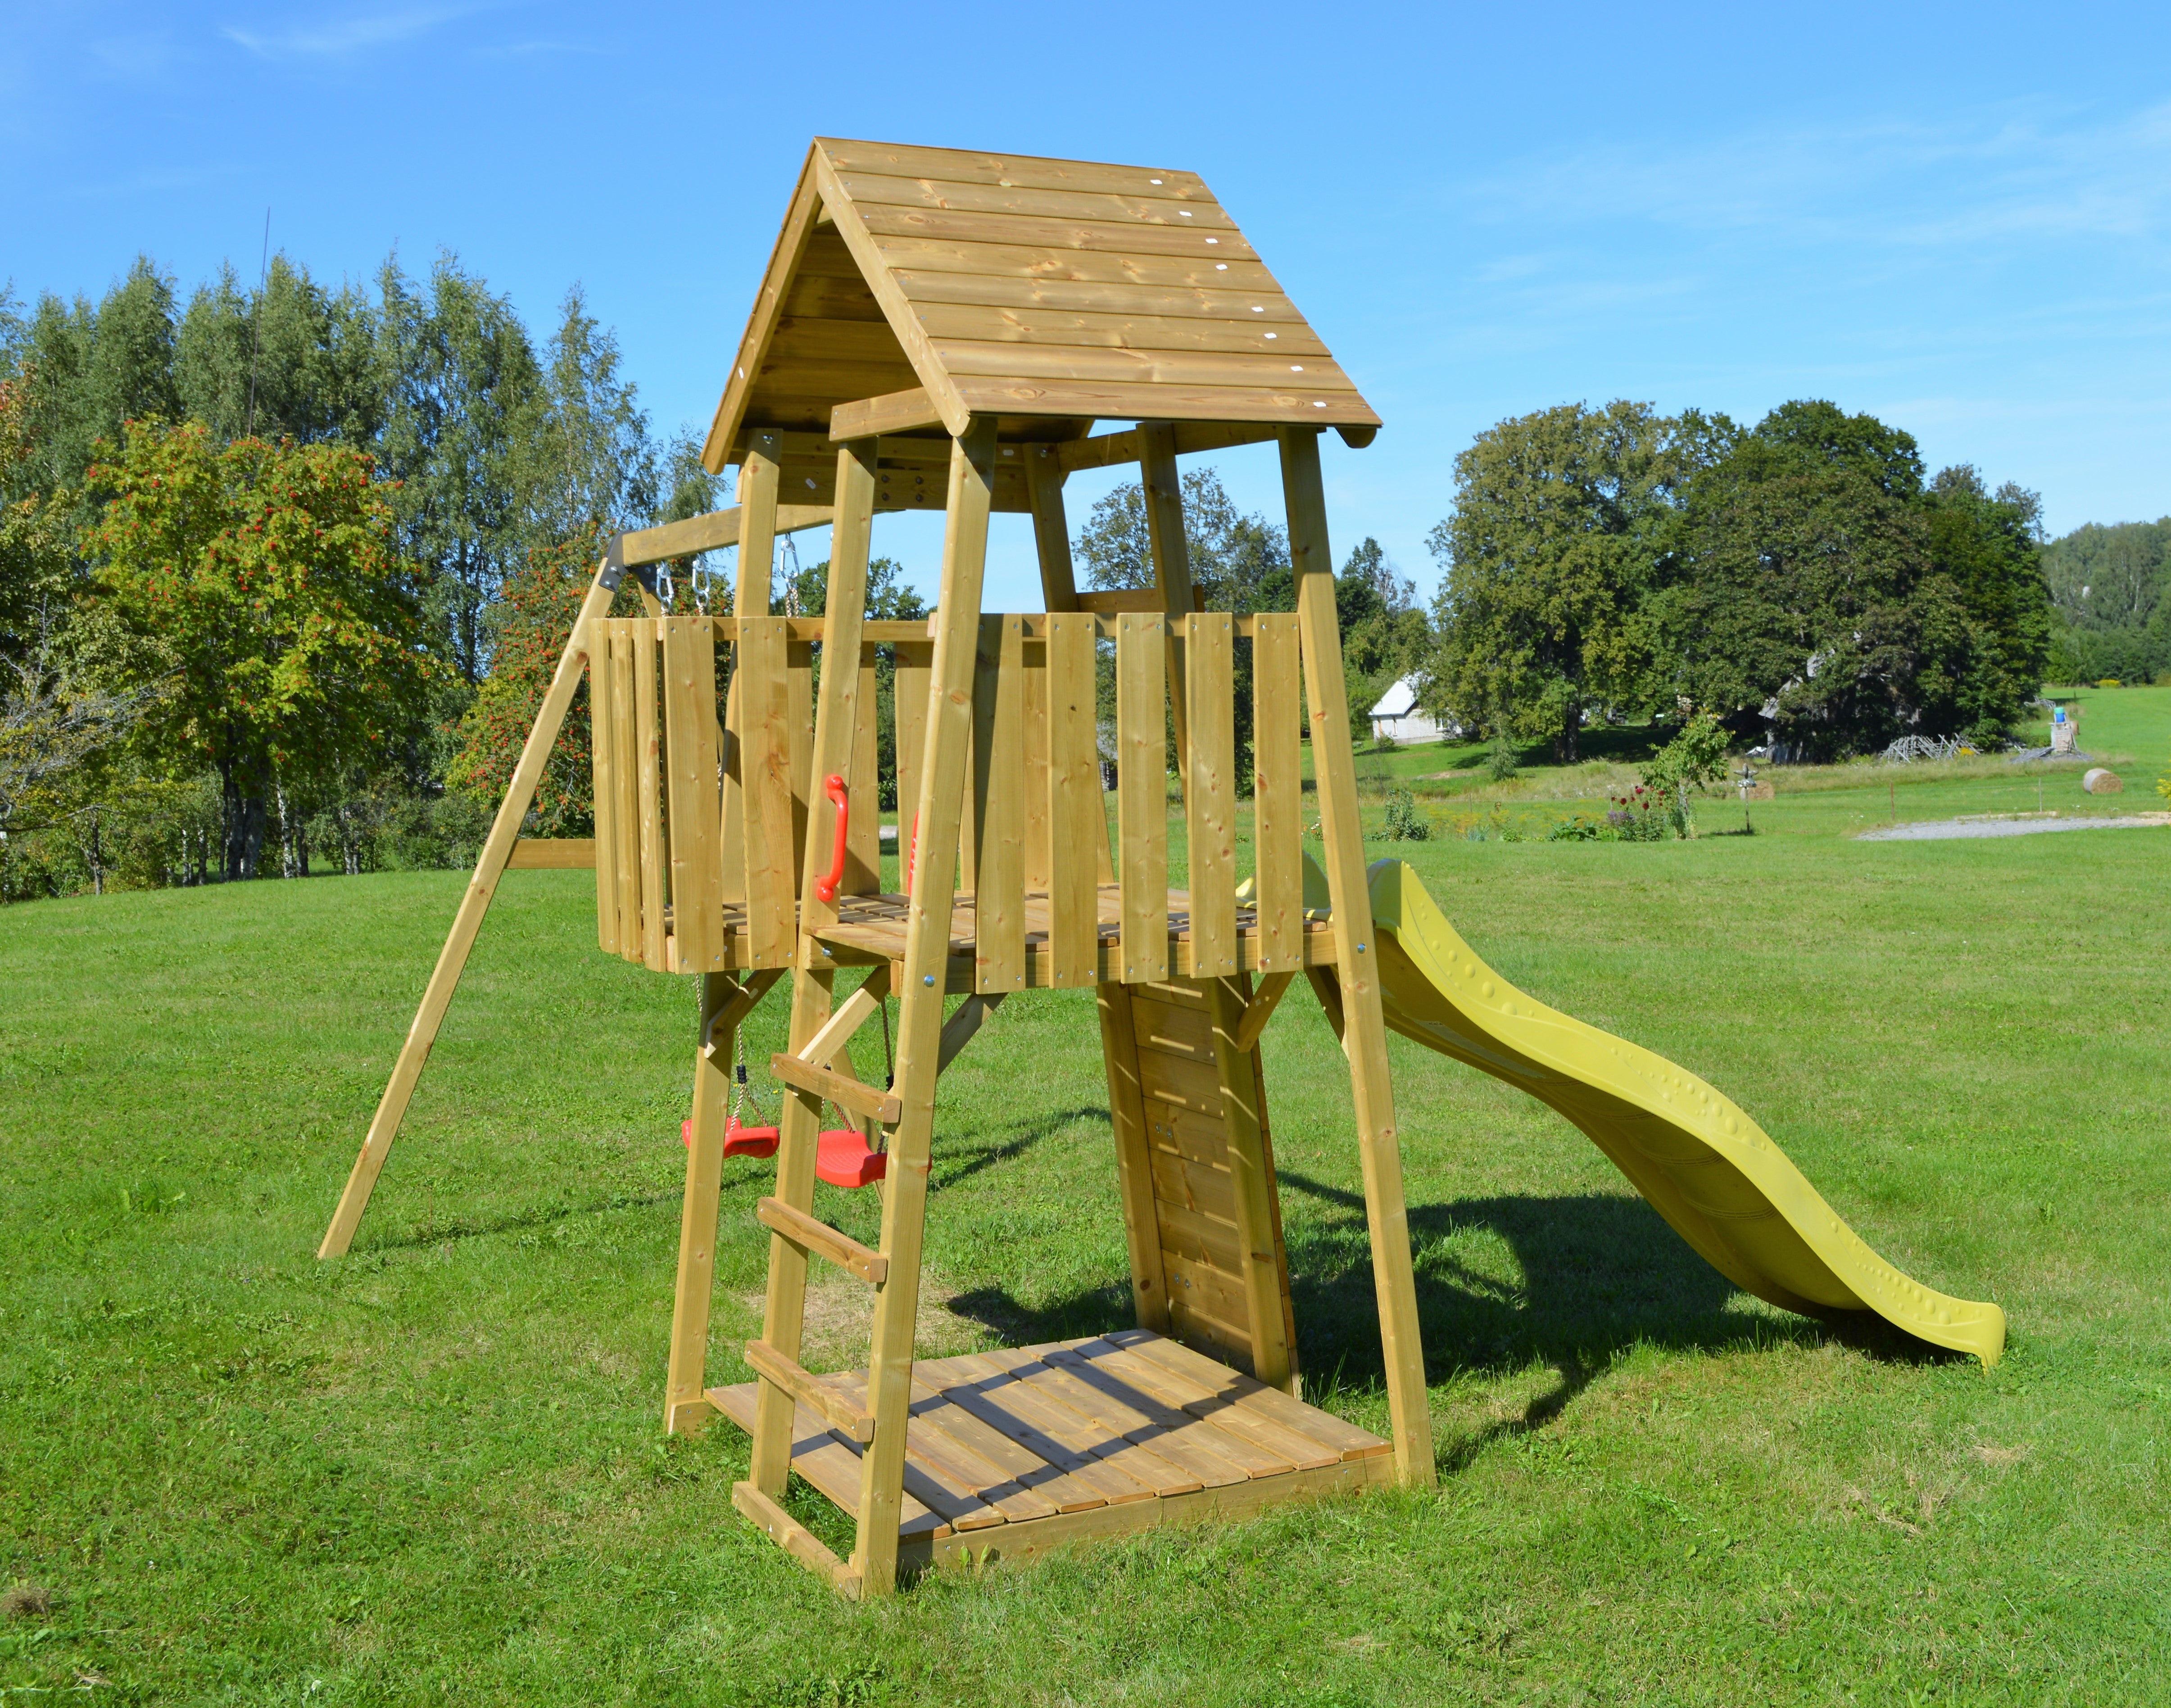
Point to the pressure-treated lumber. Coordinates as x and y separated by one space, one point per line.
960 1029
1142 795
809 1235
1260 1009
795 1538
561 853
893 412
726 1001
474 903
847 1094
784 1309
1133 1156
810 1390
1363 1037
940 783
710 533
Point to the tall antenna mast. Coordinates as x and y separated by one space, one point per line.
256 319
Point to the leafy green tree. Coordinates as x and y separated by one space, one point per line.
265 578
293 360
98 367
1555 544
1816 584
464 397
2110 590
1987 547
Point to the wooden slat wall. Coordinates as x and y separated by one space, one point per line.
1278 792
625 790
654 856
1210 798
863 847
997 800
1196 1215
695 818
915 662
603 783
1142 793
766 752
1078 825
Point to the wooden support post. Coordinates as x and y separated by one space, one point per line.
1163 490
941 784
1364 1035
452 959
783 1314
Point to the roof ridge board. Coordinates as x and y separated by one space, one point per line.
1026 171
1045 230
890 190
935 288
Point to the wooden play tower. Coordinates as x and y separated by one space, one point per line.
940 329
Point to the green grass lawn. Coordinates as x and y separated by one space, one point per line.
230 1474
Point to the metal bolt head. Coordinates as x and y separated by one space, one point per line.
930 979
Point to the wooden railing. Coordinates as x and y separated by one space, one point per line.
692 825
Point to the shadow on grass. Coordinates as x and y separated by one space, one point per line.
1601 1273
431 1232
951 1169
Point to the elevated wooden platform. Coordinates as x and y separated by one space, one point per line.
870 929
1008 1452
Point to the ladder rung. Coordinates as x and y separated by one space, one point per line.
803 1231
794 1538
834 1408
848 1095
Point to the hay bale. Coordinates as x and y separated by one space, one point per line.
2099 781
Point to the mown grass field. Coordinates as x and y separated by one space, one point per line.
433 1470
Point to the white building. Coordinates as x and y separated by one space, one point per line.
1397 715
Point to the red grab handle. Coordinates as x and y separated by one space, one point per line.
826 888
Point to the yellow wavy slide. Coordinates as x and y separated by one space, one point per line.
1710 1171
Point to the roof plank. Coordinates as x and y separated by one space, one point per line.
870 189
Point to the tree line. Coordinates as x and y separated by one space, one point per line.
254 548
2110 600
1800 579
283 572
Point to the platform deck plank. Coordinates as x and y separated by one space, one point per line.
1023 1448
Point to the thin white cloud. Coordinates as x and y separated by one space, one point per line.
337 40
1976 178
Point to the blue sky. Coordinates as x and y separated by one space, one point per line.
1953 217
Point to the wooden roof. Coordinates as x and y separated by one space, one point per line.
1050 293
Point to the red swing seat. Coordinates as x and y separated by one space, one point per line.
842 1156
738 1141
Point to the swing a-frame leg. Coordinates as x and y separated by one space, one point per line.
474 903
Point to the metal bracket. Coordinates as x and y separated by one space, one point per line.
615 566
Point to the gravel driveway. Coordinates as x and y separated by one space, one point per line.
1944 829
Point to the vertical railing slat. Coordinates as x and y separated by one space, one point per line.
625 774
602 785
863 846
1278 793
1142 793
695 819
654 887
1077 816
1210 800
998 798
915 660
1039 852
766 756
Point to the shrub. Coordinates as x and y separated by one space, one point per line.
1502 762
1405 821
